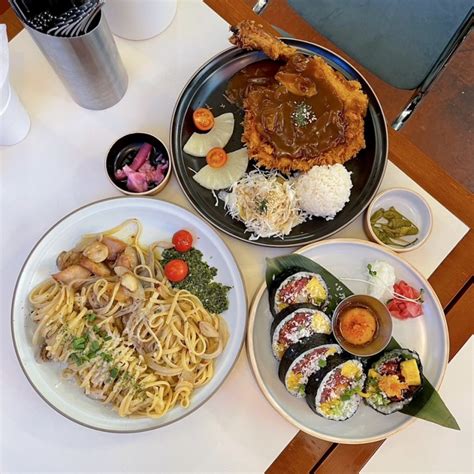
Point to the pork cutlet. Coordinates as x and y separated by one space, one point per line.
302 113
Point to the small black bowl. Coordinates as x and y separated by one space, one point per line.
123 152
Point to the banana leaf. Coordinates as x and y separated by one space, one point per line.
427 403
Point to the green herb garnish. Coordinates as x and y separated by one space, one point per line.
303 114
79 343
106 356
98 331
262 207
77 358
91 317
200 282
322 363
371 272
114 373
94 347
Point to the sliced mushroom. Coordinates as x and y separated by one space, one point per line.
115 246
96 251
71 273
119 271
122 295
129 281
67 258
207 329
99 269
128 258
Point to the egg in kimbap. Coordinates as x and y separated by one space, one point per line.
303 359
393 380
333 392
297 286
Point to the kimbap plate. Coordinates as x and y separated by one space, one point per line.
295 323
297 286
393 380
303 359
334 391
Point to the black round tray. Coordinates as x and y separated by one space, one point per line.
207 87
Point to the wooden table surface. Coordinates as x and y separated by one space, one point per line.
453 280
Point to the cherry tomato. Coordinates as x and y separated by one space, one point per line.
203 119
216 158
176 270
182 240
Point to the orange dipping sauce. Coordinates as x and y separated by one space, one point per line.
357 324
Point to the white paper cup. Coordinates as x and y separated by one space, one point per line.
139 19
14 119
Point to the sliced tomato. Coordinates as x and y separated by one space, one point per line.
182 240
176 270
216 158
203 119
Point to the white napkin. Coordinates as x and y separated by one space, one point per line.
4 64
14 120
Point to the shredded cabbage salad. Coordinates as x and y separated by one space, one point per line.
266 202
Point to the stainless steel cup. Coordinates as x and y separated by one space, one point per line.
89 65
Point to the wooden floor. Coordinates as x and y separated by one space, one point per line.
447 112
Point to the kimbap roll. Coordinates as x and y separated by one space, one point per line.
297 286
333 392
295 323
303 359
393 380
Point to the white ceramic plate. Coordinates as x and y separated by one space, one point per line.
428 335
160 220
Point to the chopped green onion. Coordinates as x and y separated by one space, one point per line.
106 357
77 359
79 343
114 373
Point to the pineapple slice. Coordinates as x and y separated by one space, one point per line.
199 144
226 175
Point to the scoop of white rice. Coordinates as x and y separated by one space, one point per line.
324 190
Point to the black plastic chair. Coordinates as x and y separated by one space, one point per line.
406 43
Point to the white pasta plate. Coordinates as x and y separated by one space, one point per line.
427 334
160 220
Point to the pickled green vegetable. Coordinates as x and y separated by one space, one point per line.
390 226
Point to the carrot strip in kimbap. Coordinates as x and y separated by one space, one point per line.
295 323
297 286
333 392
393 380
303 359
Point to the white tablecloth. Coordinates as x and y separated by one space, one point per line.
58 168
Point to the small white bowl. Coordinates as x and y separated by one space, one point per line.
408 203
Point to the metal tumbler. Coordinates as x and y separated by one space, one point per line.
89 65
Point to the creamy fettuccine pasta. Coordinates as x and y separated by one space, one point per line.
128 338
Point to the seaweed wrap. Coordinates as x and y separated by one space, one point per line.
297 285
333 392
303 359
296 322
393 380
